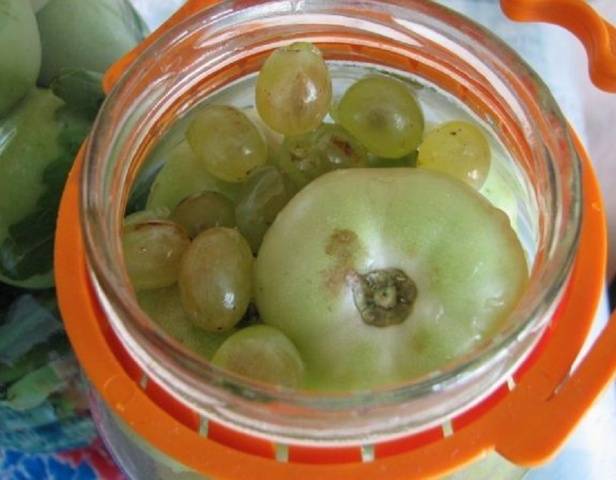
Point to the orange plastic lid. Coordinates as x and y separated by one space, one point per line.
596 34
547 395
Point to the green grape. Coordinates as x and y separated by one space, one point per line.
409 160
382 113
164 307
459 149
329 147
262 353
227 142
294 89
152 252
144 216
216 279
182 175
263 195
204 210
272 138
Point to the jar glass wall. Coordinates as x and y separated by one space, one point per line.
138 458
439 49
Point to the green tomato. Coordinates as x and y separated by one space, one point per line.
38 4
20 55
29 142
88 34
380 276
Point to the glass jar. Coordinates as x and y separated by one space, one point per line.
288 432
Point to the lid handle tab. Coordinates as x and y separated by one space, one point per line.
596 34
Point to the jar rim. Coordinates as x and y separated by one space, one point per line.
100 224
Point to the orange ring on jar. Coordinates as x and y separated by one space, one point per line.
493 425
499 428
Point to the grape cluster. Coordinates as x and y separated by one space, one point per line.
201 243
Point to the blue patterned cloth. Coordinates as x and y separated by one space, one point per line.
16 465
73 432
90 463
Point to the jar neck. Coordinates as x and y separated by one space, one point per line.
221 45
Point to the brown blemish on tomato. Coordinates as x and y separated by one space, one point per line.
342 245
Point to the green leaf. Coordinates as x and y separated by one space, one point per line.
8 295
34 388
38 356
75 127
81 90
30 321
